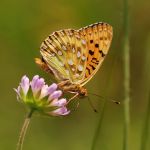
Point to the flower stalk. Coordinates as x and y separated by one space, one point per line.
24 130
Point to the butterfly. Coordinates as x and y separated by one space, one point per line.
74 56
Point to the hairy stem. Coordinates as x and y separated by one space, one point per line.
24 130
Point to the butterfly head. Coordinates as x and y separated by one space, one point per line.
82 92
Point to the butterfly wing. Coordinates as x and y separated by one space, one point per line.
76 55
98 37
62 52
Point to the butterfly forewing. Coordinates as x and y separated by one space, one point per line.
98 37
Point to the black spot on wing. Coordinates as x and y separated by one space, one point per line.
56 33
91 41
88 70
91 52
101 52
93 68
45 42
95 61
96 45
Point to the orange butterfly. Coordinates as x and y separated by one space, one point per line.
74 56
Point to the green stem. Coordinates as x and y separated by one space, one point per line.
126 54
24 130
146 73
144 137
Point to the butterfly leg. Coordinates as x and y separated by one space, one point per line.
77 105
73 97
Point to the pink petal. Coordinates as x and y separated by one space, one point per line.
55 95
60 111
59 103
52 88
37 84
25 84
44 91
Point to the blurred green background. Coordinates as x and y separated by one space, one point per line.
24 25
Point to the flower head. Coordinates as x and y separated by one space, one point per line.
40 97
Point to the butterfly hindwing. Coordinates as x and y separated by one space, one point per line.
63 53
49 49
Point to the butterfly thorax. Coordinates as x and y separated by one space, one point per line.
67 86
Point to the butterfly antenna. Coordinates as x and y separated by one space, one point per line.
114 101
92 106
